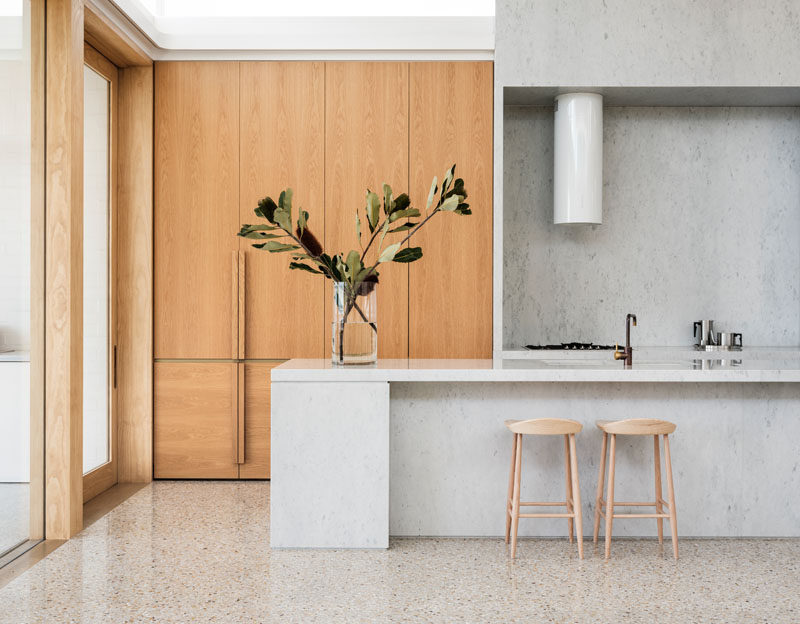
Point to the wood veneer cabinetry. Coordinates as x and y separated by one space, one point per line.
366 144
196 208
450 304
196 407
282 121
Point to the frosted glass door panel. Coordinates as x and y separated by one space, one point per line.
96 447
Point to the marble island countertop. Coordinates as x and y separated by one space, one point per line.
732 367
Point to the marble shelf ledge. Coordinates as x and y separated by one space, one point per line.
554 369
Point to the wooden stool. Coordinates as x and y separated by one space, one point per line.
544 426
636 426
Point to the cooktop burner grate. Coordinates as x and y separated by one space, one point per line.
571 346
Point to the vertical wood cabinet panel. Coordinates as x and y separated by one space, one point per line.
282 129
195 427
366 144
196 208
450 304
256 393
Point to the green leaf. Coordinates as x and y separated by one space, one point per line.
331 267
285 203
388 202
283 219
451 203
431 193
276 247
373 210
266 209
448 178
403 214
403 228
304 267
258 227
463 209
458 189
302 220
389 253
408 254
384 232
358 227
401 202
261 235
353 264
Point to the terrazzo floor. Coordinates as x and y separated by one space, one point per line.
199 552
14 514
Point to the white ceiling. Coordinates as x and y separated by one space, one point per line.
432 28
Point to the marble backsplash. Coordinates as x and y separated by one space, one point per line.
701 219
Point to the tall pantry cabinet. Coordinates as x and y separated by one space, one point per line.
229 133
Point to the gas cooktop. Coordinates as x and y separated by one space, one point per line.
571 346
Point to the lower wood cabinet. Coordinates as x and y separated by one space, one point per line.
211 420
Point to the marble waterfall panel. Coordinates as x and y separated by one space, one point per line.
701 220
735 459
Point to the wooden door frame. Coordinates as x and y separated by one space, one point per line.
103 477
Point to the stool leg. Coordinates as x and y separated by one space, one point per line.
576 493
673 516
600 479
515 506
568 473
510 495
610 499
659 506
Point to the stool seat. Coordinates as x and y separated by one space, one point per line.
636 426
544 426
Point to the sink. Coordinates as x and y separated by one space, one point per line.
613 364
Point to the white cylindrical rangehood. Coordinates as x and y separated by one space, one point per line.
578 153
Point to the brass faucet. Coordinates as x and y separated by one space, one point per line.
627 353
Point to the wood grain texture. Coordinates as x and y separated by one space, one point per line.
104 476
450 288
135 272
64 270
38 233
256 420
196 207
110 41
195 426
282 145
366 144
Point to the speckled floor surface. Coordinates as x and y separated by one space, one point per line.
14 514
198 552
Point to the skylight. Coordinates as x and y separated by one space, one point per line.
319 8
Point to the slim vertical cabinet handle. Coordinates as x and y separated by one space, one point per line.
241 305
235 306
240 415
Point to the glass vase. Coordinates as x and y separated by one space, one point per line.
354 325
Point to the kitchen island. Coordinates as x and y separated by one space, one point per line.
418 447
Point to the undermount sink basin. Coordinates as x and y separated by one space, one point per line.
612 364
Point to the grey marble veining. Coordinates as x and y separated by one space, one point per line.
701 220
648 43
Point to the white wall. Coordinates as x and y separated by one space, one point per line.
15 178
15 430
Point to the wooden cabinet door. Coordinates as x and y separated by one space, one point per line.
282 145
366 144
196 209
256 390
450 302
195 420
